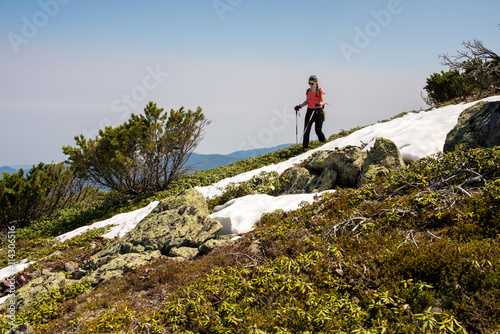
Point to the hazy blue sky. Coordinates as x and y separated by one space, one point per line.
71 67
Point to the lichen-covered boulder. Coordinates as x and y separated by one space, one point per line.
477 126
177 223
212 244
382 159
320 160
300 179
184 252
111 266
347 162
325 170
326 180
371 173
28 293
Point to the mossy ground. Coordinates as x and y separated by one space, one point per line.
417 252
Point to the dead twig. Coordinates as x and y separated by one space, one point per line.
478 178
344 224
254 261
433 235
409 236
464 191
443 181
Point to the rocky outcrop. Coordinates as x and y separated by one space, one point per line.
176 228
346 162
382 159
28 293
349 166
477 126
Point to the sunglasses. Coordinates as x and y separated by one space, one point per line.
311 83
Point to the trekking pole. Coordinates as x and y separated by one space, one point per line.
296 127
297 115
305 129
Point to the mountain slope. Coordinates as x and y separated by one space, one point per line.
416 249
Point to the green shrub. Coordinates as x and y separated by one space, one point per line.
448 86
44 190
47 306
143 155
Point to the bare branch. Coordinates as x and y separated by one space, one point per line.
344 224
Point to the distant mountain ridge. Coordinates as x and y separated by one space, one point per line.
198 160
7 169
208 161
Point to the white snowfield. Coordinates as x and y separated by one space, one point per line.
240 214
122 223
416 135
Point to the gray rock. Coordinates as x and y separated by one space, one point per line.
326 180
185 252
345 167
300 180
212 244
477 126
27 293
348 162
21 329
382 159
325 170
320 160
178 223
70 266
371 173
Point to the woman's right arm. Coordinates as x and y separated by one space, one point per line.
305 103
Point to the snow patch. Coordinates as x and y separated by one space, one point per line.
239 215
122 223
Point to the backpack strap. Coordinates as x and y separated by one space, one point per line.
319 91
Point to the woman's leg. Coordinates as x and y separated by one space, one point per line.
307 127
319 119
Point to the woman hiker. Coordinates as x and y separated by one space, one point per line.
315 101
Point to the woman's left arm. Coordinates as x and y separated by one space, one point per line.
322 99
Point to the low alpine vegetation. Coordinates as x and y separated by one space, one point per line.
415 252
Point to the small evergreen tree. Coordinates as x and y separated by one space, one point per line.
480 65
474 71
447 86
142 155
39 193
